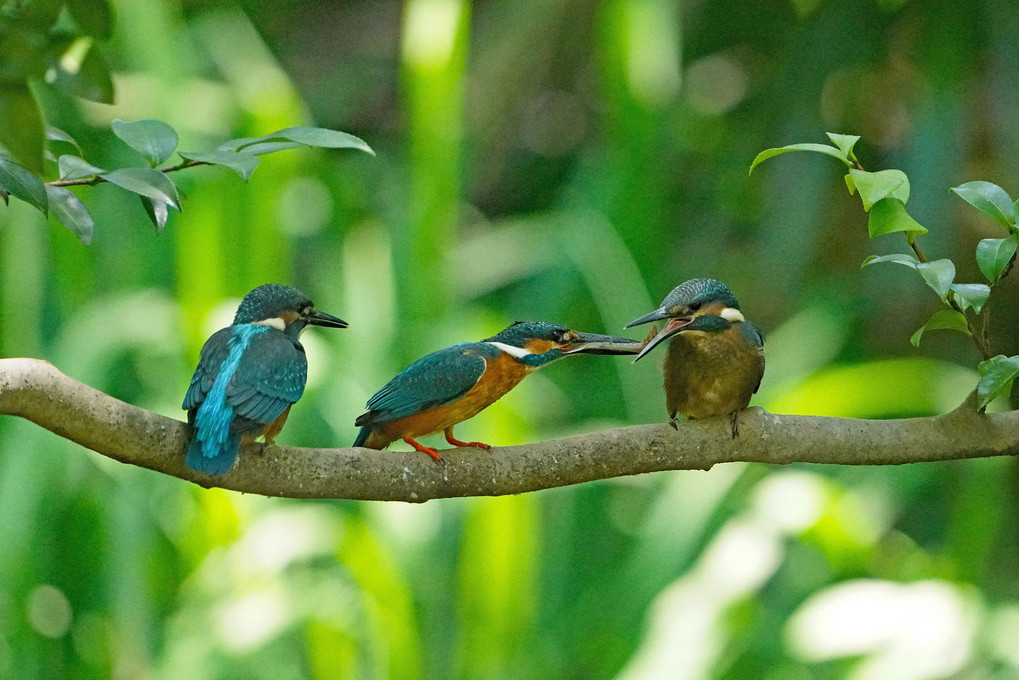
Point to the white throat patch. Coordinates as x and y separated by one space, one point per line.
518 352
732 314
275 322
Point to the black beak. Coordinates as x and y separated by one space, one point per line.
317 318
673 325
593 343
656 315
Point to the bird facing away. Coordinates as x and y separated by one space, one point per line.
715 360
249 374
456 383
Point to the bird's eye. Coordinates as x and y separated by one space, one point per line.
694 306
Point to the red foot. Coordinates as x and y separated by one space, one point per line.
424 449
456 442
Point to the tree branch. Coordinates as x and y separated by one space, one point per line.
35 390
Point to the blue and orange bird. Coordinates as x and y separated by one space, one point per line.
249 374
456 383
715 360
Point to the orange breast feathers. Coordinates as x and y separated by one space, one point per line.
500 376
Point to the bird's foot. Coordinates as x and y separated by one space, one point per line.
734 417
456 442
673 423
424 449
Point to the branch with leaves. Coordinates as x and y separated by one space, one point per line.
884 195
35 390
155 141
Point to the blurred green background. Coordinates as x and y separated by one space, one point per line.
561 160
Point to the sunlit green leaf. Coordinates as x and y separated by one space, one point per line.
307 136
82 71
153 139
55 134
938 274
946 319
72 167
995 254
996 375
21 128
145 182
989 199
22 183
888 216
971 295
71 213
93 16
874 186
262 148
242 163
827 150
898 258
156 210
845 143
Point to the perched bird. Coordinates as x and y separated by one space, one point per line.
715 360
249 374
456 383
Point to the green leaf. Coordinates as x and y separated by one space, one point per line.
946 319
21 128
153 139
55 134
971 295
898 258
22 183
72 167
83 72
5 196
989 199
845 143
874 186
71 213
94 17
262 148
888 216
996 375
242 163
994 255
818 148
156 210
306 136
145 182
939 275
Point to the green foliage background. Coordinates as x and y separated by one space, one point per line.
558 160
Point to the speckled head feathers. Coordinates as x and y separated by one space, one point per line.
699 292
270 300
521 332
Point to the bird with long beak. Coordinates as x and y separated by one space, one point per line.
453 384
249 374
715 359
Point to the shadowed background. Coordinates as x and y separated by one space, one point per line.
558 160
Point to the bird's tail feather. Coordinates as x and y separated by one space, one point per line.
215 462
362 436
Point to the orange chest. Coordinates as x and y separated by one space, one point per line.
501 375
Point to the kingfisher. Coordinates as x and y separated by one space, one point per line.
715 360
453 384
249 374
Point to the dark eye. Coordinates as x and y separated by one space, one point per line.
694 306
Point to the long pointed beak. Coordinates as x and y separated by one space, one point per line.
675 324
593 343
317 318
656 315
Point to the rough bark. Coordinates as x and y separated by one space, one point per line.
35 390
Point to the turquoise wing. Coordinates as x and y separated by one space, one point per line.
434 380
270 377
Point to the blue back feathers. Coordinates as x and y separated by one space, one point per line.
214 447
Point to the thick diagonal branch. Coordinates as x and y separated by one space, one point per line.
35 390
